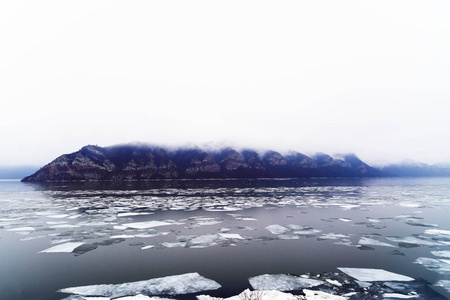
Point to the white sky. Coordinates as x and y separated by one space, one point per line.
369 77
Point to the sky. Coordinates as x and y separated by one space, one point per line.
364 77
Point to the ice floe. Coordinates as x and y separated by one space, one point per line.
233 236
443 253
437 265
63 248
21 229
146 225
366 274
399 296
413 240
282 282
372 242
319 295
170 285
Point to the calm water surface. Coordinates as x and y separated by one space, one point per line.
227 231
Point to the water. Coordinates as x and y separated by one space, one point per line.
227 231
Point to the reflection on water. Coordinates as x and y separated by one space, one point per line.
60 235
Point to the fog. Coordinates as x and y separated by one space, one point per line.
334 77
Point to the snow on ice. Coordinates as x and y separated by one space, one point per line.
170 285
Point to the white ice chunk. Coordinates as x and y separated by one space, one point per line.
174 245
145 225
288 237
409 204
399 296
58 216
282 282
443 253
205 239
277 229
367 241
435 265
19 229
233 236
437 232
170 285
318 295
334 282
413 240
148 247
363 274
333 236
131 214
122 236
65 248
64 226
345 220
444 283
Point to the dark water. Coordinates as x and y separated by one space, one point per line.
224 230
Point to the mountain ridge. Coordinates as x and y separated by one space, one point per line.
146 162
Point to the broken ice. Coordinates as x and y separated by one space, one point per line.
363 274
282 282
63 248
170 285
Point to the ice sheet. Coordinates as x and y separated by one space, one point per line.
363 274
170 285
63 248
282 282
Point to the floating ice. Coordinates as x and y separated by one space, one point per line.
345 220
233 236
333 282
64 226
145 225
399 296
288 237
444 283
122 236
435 265
438 232
64 248
308 232
170 285
373 242
443 253
363 274
333 236
409 204
282 282
58 216
147 247
21 229
318 295
174 245
413 240
204 239
131 214
277 229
